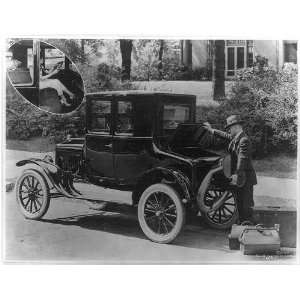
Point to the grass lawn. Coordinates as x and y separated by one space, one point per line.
37 144
280 166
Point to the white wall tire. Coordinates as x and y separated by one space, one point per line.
161 213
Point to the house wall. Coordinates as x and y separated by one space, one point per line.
273 50
268 49
199 54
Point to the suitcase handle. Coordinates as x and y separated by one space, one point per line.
260 228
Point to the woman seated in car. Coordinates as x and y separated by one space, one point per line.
47 82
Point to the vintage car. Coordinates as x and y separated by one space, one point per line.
148 145
34 57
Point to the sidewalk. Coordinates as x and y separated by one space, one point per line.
268 191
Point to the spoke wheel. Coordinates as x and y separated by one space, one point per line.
32 194
161 213
224 216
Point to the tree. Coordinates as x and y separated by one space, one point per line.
126 49
218 69
187 56
160 58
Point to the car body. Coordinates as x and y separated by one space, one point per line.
148 144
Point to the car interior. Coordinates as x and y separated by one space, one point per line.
22 67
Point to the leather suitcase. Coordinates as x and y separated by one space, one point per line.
233 237
286 217
260 240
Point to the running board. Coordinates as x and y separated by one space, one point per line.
91 192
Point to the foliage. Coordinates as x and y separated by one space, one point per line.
146 62
71 47
203 74
145 66
266 99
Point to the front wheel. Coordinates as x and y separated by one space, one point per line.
224 216
161 213
32 193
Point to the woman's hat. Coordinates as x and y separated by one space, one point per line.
232 120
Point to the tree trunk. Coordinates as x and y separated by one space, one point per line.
218 70
160 58
126 49
187 55
82 47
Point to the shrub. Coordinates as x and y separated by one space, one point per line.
266 100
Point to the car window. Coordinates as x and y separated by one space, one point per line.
100 116
174 114
124 118
53 57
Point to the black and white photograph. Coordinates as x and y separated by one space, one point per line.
150 151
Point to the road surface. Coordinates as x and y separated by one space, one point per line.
72 232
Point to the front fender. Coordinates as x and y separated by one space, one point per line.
60 179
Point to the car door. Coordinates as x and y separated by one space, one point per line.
98 140
24 75
132 139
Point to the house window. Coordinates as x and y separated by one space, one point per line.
238 55
290 52
250 53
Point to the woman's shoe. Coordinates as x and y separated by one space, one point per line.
63 101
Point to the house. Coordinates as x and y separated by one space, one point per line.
239 54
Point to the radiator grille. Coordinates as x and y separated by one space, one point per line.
70 163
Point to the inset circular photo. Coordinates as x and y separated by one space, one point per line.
45 76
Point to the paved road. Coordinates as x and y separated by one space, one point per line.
71 231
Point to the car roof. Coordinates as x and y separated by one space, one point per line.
27 43
137 92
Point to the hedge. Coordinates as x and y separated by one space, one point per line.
266 99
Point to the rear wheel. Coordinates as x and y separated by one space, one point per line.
32 194
224 216
161 213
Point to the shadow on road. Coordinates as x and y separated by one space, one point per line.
195 235
103 221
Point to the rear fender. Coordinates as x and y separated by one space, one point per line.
209 179
169 176
60 179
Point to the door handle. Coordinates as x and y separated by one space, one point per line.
109 146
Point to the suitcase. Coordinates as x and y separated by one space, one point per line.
260 240
286 217
233 237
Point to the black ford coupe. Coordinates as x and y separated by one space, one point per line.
148 145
